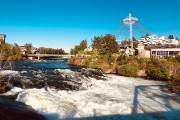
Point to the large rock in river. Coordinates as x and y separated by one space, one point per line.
13 110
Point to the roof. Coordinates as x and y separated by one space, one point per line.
161 47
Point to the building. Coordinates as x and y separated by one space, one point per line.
24 51
157 51
157 46
89 49
142 52
155 40
2 38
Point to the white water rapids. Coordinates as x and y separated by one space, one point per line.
117 95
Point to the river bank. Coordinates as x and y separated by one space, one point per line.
132 66
167 70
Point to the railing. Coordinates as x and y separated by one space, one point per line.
46 55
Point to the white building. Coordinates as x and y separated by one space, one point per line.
155 40
157 51
89 49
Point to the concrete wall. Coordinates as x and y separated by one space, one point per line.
144 53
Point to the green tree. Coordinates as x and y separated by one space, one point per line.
97 43
110 45
135 42
83 45
77 48
5 51
177 38
147 35
16 53
125 43
105 45
10 52
43 50
28 47
170 37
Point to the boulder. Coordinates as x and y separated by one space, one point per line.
13 110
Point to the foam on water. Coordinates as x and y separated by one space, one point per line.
9 72
116 95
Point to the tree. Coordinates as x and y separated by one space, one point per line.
177 38
16 53
43 50
28 47
147 35
5 51
97 43
77 48
10 52
109 45
170 37
83 45
105 45
72 52
125 42
135 42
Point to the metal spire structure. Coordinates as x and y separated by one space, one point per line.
130 21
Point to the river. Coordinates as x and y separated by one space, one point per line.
61 91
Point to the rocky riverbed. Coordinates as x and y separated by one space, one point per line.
103 97
87 94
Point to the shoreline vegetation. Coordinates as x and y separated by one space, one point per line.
105 55
132 66
166 70
9 52
14 52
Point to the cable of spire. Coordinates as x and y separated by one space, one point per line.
137 29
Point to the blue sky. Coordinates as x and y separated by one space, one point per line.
64 23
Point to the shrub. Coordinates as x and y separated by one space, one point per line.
128 70
91 63
173 60
176 77
142 63
2 85
159 72
120 58
178 58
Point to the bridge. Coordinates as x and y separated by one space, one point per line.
38 56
